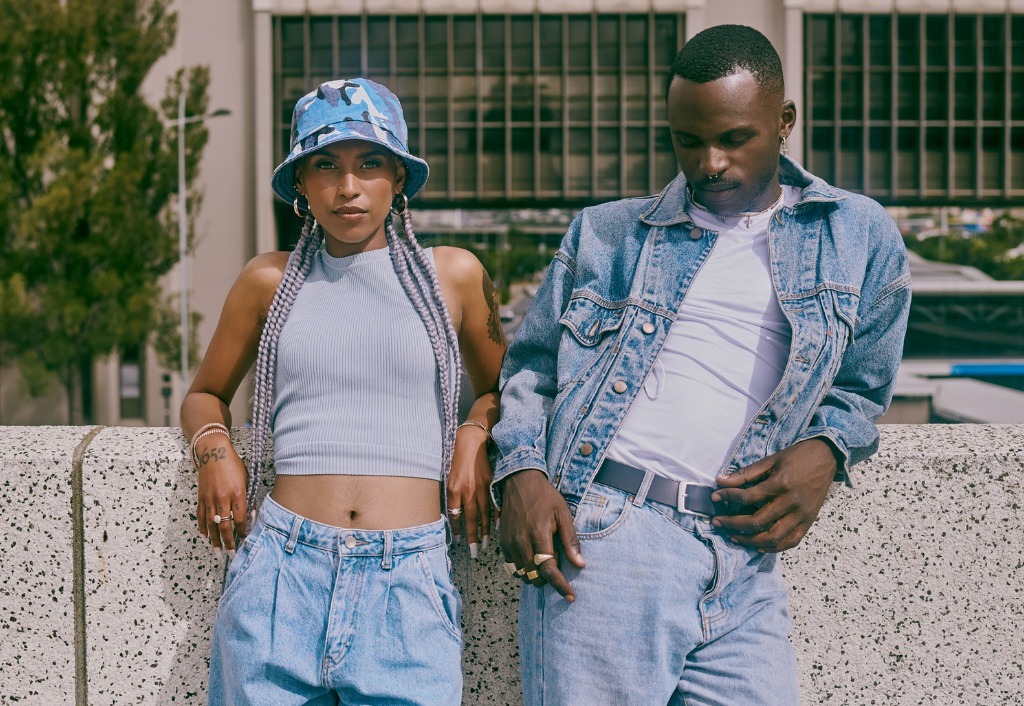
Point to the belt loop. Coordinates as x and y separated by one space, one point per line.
293 536
388 546
645 485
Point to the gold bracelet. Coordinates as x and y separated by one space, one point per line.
475 423
204 431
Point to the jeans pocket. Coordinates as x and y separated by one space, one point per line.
440 590
599 515
243 558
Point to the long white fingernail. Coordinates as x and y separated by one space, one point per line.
483 542
231 553
472 550
218 552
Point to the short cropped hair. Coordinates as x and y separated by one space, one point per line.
724 50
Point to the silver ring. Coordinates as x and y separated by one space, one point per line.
455 511
217 519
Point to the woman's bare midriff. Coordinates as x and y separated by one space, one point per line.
361 502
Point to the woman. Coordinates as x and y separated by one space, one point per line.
342 589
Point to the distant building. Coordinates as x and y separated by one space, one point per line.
529 110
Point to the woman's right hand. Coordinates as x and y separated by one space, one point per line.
222 486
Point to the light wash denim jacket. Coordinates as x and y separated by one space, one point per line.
603 312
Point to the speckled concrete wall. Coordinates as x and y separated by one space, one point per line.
37 613
910 589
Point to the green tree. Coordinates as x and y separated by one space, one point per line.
989 252
88 179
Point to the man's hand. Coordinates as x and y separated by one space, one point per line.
532 512
788 488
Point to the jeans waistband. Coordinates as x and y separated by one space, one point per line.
351 542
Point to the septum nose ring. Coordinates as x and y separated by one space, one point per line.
714 177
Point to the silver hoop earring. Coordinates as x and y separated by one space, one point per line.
783 150
399 203
295 207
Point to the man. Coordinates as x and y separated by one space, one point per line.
695 371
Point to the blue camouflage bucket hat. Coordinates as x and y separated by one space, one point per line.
348 109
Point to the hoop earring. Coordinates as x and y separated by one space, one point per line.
399 203
783 150
295 207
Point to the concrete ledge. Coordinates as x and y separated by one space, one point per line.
910 588
37 614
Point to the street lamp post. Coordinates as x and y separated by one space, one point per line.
182 244
183 229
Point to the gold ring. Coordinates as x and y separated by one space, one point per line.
217 519
518 573
532 575
539 559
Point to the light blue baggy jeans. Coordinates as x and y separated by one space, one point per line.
667 611
315 614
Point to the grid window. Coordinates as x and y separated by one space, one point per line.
916 108
435 41
521 53
378 44
321 44
556 110
551 54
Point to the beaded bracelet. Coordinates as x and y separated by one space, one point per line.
475 423
204 431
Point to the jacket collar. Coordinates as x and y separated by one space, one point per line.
671 205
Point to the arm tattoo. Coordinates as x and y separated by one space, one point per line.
494 331
218 453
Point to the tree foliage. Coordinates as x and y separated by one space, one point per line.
88 179
989 252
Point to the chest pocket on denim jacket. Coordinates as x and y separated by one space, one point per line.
588 329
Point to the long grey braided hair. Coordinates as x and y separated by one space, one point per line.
419 280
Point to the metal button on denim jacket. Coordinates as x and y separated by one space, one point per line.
603 312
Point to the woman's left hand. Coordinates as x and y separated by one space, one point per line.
469 484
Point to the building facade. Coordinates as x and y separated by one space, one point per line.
529 110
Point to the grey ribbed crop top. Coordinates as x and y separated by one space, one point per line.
357 387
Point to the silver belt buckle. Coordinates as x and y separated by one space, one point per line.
681 501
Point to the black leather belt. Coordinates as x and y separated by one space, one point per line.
691 498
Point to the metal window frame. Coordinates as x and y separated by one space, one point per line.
951 191
447 194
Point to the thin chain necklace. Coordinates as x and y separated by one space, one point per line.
752 215
748 216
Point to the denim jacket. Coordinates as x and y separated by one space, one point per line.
605 306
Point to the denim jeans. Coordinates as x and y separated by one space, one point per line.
667 611
315 614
